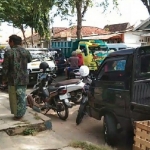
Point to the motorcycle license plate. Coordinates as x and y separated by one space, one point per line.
61 97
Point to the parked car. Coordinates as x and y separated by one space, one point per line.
39 55
117 46
120 92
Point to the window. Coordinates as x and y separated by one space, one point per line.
144 54
145 64
122 48
113 49
115 65
82 47
113 70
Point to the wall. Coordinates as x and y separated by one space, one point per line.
131 37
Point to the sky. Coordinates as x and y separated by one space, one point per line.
131 11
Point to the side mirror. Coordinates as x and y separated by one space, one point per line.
54 75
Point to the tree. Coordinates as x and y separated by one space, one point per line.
28 13
79 8
147 4
38 17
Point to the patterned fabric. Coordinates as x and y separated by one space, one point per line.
15 66
17 99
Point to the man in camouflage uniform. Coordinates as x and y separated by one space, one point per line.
16 74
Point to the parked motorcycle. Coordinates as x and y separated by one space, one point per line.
74 87
50 96
75 74
84 101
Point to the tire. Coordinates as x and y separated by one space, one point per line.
110 130
63 117
81 113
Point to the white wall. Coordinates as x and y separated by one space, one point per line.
132 37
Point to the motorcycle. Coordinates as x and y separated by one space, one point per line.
42 93
74 87
84 101
75 74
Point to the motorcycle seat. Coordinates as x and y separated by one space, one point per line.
67 82
52 89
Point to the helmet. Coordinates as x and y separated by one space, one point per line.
44 66
84 71
78 51
74 53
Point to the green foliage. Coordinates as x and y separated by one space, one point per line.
147 4
105 4
88 146
70 8
2 47
27 13
29 131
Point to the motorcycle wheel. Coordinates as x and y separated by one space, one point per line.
65 109
81 113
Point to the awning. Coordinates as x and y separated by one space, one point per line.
103 37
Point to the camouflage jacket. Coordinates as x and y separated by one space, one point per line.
15 66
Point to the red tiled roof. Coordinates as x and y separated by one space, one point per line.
116 27
56 30
85 31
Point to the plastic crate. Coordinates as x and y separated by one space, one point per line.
142 135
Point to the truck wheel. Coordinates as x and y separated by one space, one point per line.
110 130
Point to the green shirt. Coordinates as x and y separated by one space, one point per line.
15 66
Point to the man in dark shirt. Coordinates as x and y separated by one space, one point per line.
16 74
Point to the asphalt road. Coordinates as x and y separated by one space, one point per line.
89 130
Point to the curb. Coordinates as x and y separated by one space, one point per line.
37 123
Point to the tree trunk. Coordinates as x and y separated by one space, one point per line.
79 18
32 42
23 32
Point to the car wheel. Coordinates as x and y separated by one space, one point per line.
110 130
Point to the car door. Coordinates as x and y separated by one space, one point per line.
140 97
110 91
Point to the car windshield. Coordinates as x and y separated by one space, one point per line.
98 48
38 57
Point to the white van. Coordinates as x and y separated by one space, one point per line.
116 46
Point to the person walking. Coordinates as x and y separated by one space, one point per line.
16 74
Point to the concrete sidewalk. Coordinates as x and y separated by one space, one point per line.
11 131
46 140
32 119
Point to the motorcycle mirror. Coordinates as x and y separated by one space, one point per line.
54 75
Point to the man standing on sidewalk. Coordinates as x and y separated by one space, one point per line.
16 74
